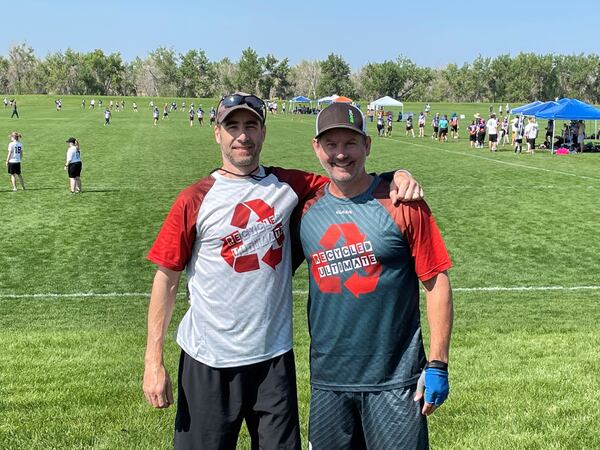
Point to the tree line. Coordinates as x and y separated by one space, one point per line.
164 72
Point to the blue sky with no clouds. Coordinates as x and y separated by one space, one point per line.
430 33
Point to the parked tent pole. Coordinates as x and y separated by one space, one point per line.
553 129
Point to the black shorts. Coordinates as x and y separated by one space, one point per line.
435 130
212 403
454 128
14 168
531 142
74 169
472 138
493 138
443 131
409 127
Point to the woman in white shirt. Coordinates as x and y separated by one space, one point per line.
13 160
73 165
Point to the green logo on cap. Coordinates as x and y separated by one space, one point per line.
350 116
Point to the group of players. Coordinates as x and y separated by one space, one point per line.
14 157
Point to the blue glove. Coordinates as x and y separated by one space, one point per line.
436 386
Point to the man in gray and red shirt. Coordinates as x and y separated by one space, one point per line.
365 259
231 233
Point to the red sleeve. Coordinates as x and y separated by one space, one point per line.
304 184
426 243
417 225
175 241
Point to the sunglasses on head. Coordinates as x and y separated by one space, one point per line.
229 101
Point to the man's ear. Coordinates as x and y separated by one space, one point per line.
217 132
368 144
315 145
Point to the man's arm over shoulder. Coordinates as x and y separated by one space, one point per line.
304 184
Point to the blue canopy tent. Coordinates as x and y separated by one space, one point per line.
300 99
519 110
534 109
569 109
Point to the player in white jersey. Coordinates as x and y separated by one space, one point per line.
13 160
73 165
192 115
230 231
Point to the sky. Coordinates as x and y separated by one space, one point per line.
430 33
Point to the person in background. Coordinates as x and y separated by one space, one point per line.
520 131
409 126
192 116
454 125
421 125
107 115
13 160
492 131
472 129
14 111
580 134
530 133
443 124
435 124
73 165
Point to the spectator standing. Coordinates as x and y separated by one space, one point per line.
409 126
531 132
443 124
13 160
73 165
519 132
14 111
454 125
421 125
581 134
492 131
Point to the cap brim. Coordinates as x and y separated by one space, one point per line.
334 126
228 111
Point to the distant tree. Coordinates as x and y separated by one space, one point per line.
306 76
282 76
21 68
195 74
3 74
225 80
249 71
144 80
163 63
335 77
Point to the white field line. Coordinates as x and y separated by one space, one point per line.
508 163
296 292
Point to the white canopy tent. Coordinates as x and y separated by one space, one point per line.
327 100
386 101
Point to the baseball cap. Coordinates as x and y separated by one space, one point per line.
71 140
241 100
341 115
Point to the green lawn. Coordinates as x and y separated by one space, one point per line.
524 363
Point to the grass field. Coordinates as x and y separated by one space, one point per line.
521 230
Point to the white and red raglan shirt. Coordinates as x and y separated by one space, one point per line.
233 238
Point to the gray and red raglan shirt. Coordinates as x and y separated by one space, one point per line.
233 238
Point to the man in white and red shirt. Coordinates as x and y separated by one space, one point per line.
230 232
